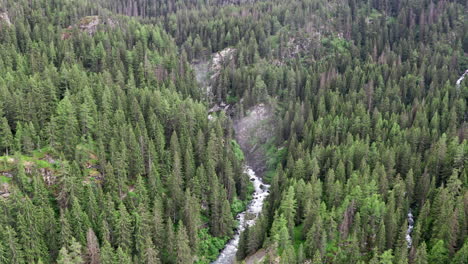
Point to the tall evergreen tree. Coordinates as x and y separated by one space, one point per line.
183 252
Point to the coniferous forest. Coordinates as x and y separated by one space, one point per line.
122 140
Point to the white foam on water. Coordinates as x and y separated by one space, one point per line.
228 254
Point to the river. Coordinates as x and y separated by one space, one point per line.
228 255
205 73
409 239
460 80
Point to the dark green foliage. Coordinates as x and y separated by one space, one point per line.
109 156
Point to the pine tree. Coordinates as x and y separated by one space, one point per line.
79 222
288 256
107 253
387 257
284 239
123 227
300 254
135 155
438 253
71 255
29 233
68 181
157 224
65 236
279 223
242 246
315 238
288 208
461 256
13 252
226 221
191 216
189 162
401 249
183 252
169 243
255 238
65 128
122 257
141 194
175 185
317 259
421 255
64 257
150 254
6 137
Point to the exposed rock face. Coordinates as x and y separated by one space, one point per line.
4 18
201 70
207 73
252 132
219 59
4 190
89 25
460 80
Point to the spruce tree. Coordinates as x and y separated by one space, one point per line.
65 128
421 254
6 136
183 252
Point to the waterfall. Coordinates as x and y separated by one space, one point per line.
409 239
460 80
228 255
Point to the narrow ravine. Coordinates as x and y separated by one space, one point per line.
228 255
409 239
460 80
248 129
252 131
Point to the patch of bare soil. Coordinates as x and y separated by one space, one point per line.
257 257
208 71
5 18
89 25
252 132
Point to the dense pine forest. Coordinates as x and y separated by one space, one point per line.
114 150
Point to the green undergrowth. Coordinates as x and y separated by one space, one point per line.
237 150
232 99
299 237
4 179
250 191
209 246
47 159
38 158
336 44
238 205
275 155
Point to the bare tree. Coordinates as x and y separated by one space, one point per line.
93 256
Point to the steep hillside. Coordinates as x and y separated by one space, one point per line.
127 129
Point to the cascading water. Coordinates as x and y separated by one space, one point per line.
228 255
460 80
206 72
409 239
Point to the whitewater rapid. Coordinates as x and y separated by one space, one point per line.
245 218
460 80
409 239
